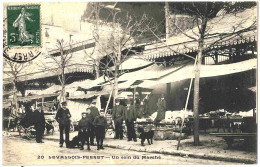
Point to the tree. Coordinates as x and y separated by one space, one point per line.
59 64
201 13
13 70
115 38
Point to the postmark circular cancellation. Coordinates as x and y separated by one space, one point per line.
22 32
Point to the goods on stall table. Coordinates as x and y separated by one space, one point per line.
153 116
176 116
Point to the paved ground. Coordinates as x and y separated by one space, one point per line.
211 147
17 151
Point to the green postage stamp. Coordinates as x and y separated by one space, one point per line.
22 32
23 25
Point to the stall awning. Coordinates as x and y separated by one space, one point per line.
211 70
88 84
230 25
29 98
206 71
151 72
51 90
52 72
89 95
123 85
133 62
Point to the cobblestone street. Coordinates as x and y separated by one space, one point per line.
20 151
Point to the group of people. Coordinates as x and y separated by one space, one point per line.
128 114
91 125
35 116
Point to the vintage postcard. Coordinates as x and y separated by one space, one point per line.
129 83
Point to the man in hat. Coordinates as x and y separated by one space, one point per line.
38 121
94 113
100 123
117 116
63 118
84 129
130 116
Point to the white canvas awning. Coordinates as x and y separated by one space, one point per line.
210 70
133 62
206 71
89 95
151 72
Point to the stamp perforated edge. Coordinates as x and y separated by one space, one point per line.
22 4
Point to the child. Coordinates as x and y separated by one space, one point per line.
100 123
84 130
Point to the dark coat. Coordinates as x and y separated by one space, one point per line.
94 112
100 121
39 119
84 123
118 113
63 116
130 113
90 117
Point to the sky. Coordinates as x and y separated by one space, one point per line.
64 14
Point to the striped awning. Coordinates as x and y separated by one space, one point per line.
51 72
222 31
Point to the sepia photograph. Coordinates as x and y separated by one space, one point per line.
129 83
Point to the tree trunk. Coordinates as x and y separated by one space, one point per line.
15 101
62 98
196 94
98 102
115 84
62 79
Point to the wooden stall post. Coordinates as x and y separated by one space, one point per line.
168 92
108 101
42 102
186 105
134 96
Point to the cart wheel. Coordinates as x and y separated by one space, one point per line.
21 131
29 132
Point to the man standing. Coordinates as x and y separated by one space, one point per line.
84 130
100 123
39 123
161 109
130 116
63 118
94 113
117 116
